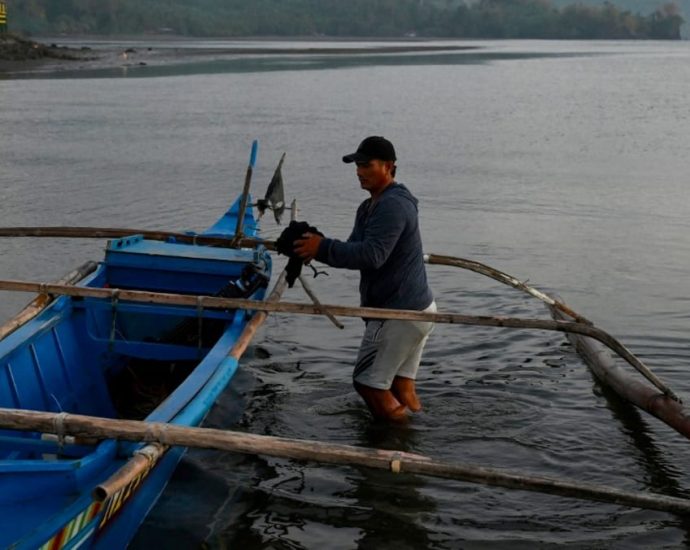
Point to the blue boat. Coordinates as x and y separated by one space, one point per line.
117 359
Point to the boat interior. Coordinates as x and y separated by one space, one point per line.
119 359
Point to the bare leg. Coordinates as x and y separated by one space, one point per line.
404 391
381 403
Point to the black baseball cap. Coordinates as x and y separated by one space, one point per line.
373 147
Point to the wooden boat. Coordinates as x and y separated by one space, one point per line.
117 359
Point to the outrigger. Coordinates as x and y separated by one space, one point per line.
107 375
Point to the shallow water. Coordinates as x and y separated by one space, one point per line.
559 162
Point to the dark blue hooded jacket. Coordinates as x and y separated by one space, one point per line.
386 247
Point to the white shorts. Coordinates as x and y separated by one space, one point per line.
391 348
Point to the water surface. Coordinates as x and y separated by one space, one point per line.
563 163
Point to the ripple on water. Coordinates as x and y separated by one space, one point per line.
539 167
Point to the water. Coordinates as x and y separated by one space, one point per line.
559 162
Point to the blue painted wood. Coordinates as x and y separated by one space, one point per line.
226 225
254 153
32 443
160 266
155 310
64 360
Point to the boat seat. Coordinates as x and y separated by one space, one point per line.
134 262
137 326
154 309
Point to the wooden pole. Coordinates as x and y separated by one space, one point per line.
293 210
431 259
314 298
344 311
396 461
477 267
91 232
119 232
42 301
142 459
259 317
664 406
245 191
140 462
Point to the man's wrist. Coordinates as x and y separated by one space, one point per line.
322 250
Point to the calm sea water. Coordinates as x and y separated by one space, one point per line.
564 163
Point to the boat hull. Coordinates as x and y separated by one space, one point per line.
74 356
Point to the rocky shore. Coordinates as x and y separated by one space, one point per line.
16 48
17 52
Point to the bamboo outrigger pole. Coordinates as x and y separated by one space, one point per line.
431 259
165 435
74 232
659 405
344 311
245 192
477 267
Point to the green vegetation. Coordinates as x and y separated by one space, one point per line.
364 18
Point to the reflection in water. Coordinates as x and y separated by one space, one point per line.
257 502
397 508
288 504
661 476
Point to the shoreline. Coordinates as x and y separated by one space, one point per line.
95 53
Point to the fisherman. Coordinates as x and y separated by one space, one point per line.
386 247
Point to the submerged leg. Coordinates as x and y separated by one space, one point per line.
382 403
404 391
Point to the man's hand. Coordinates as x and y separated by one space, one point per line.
307 247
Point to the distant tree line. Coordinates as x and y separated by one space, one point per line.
337 18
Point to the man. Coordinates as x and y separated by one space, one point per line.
386 247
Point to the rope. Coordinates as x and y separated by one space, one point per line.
59 429
148 452
396 462
236 241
